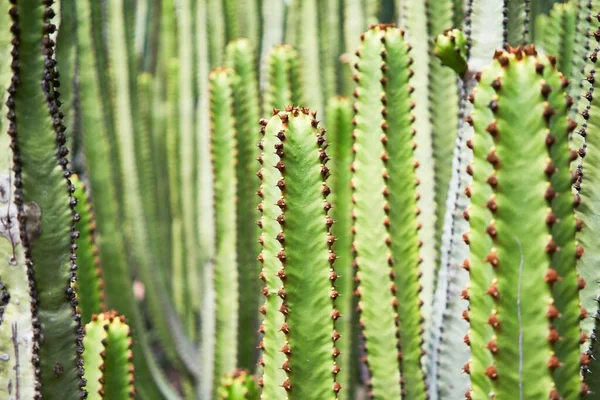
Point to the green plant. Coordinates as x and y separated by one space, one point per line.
238 385
303 259
108 358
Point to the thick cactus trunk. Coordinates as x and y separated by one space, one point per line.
523 290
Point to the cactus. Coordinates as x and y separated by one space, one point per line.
240 58
283 82
306 271
238 386
510 242
44 205
224 145
375 282
339 133
108 358
89 286
556 35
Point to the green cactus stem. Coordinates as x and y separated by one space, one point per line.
376 302
306 40
516 26
339 133
330 46
223 155
451 49
44 203
272 34
402 183
65 56
230 13
238 386
521 215
216 31
108 358
273 338
240 58
283 81
89 285
307 275
557 36
587 180
17 373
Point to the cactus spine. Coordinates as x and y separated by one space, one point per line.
240 58
510 241
224 145
376 301
108 358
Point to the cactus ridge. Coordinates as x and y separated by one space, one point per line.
272 338
223 156
377 307
307 273
57 357
511 255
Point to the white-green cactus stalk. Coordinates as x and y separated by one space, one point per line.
241 59
283 86
16 326
272 34
330 49
215 21
524 286
223 156
108 358
306 262
339 132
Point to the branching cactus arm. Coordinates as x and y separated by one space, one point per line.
307 276
223 144
376 302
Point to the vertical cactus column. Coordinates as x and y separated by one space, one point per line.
402 210
108 358
283 86
306 273
524 285
223 155
89 286
273 338
339 133
371 245
241 59
43 198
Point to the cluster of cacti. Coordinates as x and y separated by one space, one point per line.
432 234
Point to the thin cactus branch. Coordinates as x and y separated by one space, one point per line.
223 155
241 59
